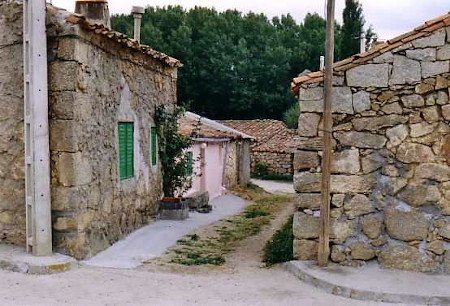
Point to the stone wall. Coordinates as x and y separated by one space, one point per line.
94 83
279 163
390 173
12 179
237 163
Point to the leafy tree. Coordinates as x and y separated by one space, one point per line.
352 28
236 66
290 117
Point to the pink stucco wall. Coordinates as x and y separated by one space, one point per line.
212 174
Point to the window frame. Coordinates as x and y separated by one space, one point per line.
126 150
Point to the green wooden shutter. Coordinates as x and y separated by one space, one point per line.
126 150
154 145
190 165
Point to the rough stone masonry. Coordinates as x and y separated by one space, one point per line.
390 174
95 82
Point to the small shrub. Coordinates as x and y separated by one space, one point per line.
261 170
250 214
279 248
290 117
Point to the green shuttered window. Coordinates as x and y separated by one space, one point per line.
190 165
126 150
154 145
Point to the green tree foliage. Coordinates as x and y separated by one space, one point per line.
352 28
236 66
290 117
172 151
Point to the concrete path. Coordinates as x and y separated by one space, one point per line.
154 239
275 186
371 283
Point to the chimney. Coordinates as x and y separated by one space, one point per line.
363 43
95 10
137 13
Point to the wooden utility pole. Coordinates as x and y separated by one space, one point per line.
324 235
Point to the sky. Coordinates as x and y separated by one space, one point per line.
389 18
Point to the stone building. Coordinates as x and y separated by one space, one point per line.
271 147
103 91
390 174
220 155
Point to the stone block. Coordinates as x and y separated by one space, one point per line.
424 88
311 94
379 122
311 106
436 39
406 225
421 129
359 205
305 226
431 114
391 185
361 140
361 251
340 230
442 98
414 153
392 108
413 101
436 247
73 169
338 253
308 200
305 249
430 69
444 230
369 75
428 54
342 100
446 112
443 53
431 171
63 76
405 71
402 257
361 101
63 136
372 225
62 105
338 200
386 57
68 198
308 124
346 162
397 134
372 162
306 182
305 160
420 194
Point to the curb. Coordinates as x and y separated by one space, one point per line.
363 295
16 259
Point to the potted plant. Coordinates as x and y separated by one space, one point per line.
174 158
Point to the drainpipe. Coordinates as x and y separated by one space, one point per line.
137 13
36 130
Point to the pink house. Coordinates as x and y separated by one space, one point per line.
220 155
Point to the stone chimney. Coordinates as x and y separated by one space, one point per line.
95 10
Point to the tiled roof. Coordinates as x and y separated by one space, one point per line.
271 135
355 60
100 29
195 126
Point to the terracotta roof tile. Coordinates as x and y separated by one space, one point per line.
194 126
121 38
355 60
271 135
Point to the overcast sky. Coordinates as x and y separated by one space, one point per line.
389 17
